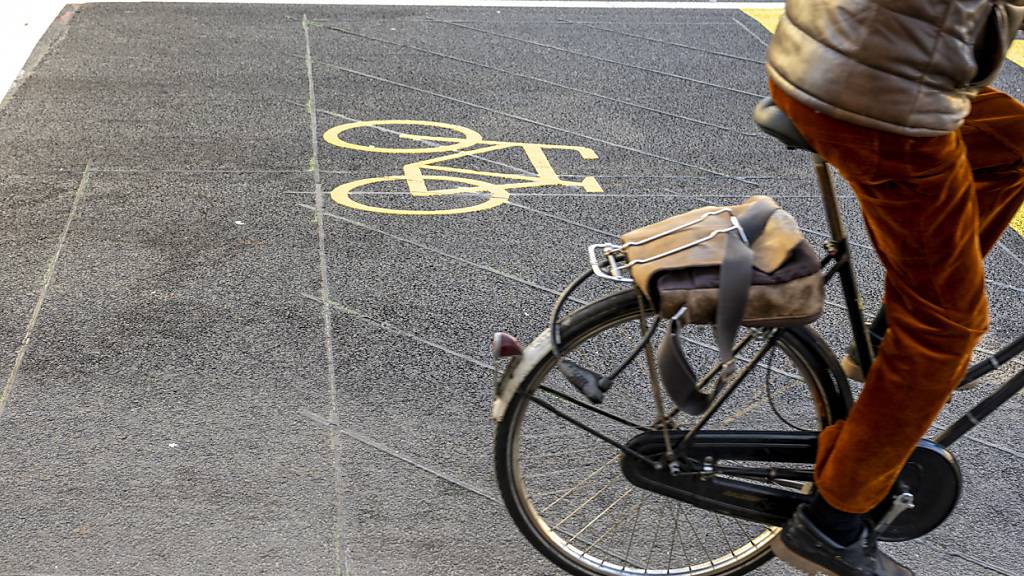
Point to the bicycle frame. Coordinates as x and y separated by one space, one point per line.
839 254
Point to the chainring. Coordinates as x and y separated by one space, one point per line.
932 475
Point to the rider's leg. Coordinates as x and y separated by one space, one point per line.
919 204
995 150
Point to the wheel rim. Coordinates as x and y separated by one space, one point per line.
584 529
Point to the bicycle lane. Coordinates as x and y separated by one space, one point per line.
513 246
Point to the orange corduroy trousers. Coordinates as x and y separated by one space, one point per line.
933 206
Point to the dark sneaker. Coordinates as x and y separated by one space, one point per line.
803 546
851 367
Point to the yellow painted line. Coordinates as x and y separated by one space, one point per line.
767 17
1016 53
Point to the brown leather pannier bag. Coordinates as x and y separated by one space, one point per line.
728 266
785 283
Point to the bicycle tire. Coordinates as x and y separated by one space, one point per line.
828 388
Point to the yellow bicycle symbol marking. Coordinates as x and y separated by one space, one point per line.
470 143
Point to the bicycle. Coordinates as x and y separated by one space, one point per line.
610 488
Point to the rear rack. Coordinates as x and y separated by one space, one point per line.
609 260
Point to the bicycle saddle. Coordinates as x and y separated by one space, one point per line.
771 119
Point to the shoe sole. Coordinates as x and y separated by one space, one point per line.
851 369
784 553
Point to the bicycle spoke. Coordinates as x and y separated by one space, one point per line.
654 541
745 532
596 547
672 539
601 514
580 484
699 541
586 502
620 518
636 520
725 535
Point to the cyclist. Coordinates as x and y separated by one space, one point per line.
895 95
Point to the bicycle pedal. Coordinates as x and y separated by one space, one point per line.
589 383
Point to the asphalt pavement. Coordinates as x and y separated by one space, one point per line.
230 344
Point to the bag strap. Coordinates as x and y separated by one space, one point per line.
735 276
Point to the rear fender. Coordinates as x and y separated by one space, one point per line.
517 371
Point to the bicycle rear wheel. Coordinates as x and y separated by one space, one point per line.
563 485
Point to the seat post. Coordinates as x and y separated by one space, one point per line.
840 251
828 195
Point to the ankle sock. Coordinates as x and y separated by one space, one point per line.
843 527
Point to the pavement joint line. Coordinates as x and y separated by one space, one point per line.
430 143
407 459
48 278
551 83
1006 249
1004 286
448 255
751 32
539 123
609 61
341 551
396 330
316 417
561 219
966 557
668 42
994 446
